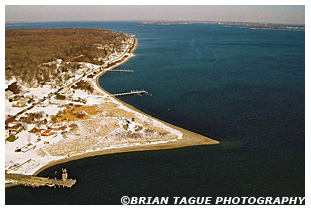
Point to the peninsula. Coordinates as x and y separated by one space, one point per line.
55 109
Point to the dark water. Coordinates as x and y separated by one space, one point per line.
243 87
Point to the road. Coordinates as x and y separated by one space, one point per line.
114 61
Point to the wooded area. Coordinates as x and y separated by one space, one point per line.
29 53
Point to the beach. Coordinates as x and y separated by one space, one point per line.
186 138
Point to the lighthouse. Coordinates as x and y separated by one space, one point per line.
64 174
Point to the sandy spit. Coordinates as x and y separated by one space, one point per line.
189 138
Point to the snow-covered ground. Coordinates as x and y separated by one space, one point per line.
99 124
99 132
9 110
41 92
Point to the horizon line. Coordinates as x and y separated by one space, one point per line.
196 21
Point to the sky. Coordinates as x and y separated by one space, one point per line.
251 13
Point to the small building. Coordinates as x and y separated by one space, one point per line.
20 103
9 119
66 92
14 128
42 132
78 99
28 95
47 133
48 82
15 97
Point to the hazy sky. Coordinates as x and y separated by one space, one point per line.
268 14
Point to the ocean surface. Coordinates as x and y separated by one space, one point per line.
243 87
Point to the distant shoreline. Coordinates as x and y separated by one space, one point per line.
250 25
189 138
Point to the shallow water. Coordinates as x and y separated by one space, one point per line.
242 87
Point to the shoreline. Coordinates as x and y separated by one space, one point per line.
189 138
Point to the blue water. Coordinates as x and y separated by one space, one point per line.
242 87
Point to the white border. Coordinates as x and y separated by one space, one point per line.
175 2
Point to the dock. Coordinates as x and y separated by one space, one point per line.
133 92
120 70
36 181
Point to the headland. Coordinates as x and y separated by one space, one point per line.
89 123
189 138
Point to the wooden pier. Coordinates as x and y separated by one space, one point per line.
133 92
35 181
120 70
